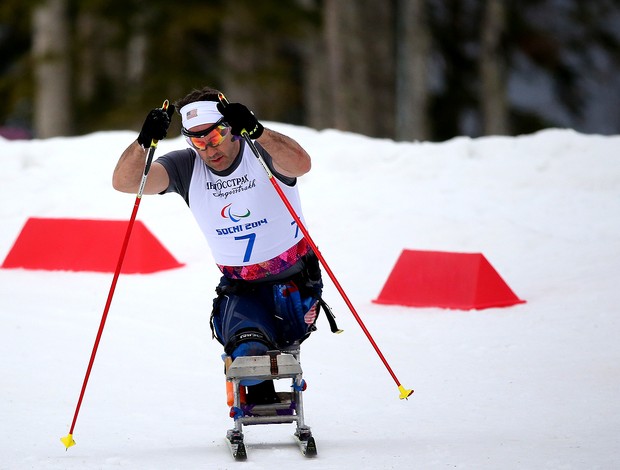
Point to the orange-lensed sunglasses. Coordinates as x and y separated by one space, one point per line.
211 137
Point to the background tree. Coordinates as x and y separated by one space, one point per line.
16 81
412 74
406 69
261 55
492 69
348 91
52 70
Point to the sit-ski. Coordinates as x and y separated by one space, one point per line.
275 365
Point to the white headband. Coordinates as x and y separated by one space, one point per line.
199 113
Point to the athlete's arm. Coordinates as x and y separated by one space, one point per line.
128 173
289 158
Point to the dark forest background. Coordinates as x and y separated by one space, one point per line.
400 69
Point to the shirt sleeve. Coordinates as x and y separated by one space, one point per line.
179 165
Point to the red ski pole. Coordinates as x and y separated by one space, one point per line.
68 439
404 393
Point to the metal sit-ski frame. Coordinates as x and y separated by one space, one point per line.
274 365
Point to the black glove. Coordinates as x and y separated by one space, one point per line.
239 117
155 125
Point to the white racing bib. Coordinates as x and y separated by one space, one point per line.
241 215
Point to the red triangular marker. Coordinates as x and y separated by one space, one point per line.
442 279
87 245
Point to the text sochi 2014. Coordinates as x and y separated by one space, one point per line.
240 227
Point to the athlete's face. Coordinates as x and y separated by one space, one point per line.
221 156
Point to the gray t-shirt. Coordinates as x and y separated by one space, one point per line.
180 165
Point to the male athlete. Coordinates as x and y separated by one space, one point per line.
270 288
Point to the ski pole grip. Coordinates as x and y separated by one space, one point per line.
222 98
164 106
224 101
149 158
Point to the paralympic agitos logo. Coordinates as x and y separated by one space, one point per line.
235 216
227 213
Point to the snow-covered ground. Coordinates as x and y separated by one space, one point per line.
533 386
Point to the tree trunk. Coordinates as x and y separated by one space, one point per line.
52 70
335 55
379 44
492 71
412 54
349 92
